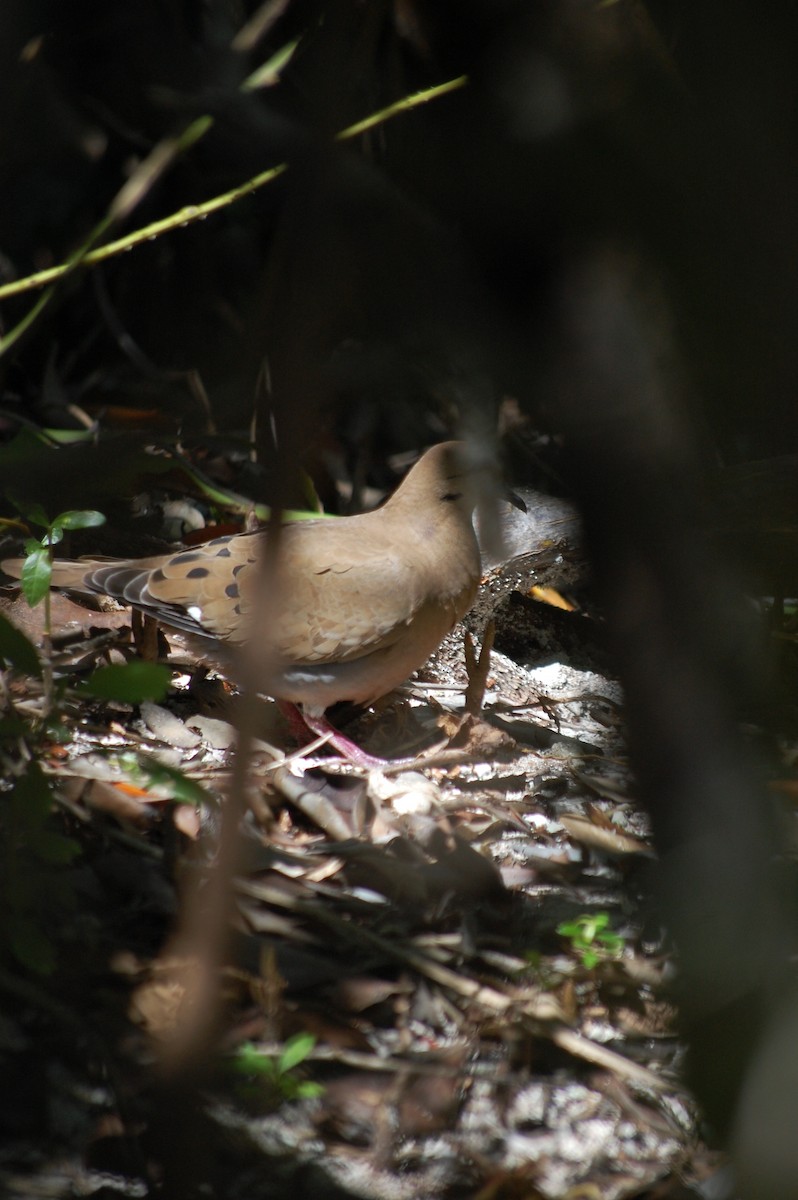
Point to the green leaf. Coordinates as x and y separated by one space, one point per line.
17 650
31 945
37 572
268 73
251 1061
54 728
68 437
309 1090
131 683
33 513
612 943
182 789
81 518
295 1051
592 938
588 927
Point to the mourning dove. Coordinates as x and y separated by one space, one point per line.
361 601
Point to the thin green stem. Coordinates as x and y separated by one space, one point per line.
126 199
191 213
47 644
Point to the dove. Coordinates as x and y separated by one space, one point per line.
360 602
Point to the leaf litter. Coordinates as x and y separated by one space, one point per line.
408 920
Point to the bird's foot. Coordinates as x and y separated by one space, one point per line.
300 722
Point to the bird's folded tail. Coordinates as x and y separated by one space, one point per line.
69 575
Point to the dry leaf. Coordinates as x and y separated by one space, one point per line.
599 837
474 735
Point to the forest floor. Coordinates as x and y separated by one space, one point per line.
443 979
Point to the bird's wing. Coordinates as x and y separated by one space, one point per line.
125 580
344 592
341 593
195 590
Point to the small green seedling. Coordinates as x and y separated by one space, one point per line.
276 1072
131 683
37 569
591 938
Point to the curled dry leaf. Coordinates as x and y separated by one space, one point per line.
410 792
360 992
167 727
128 804
599 837
315 799
219 735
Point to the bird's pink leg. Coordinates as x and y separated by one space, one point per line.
297 726
300 722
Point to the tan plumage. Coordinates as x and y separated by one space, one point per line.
362 601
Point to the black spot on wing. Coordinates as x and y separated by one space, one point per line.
187 556
129 584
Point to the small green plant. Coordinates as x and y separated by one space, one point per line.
131 682
591 938
276 1072
33 849
37 569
